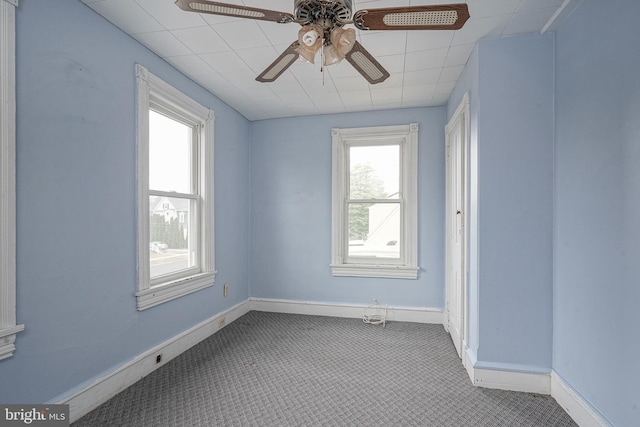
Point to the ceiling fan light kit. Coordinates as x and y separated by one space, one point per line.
322 22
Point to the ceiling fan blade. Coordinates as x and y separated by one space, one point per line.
366 64
433 17
280 65
239 11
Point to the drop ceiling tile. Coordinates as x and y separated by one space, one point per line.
212 80
527 5
444 88
214 20
258 58
357 100
325 101
342 70
395 80
418 92
351 84
458 54
528 22
385 42
246 82
163 43
484 8
279 5
277 34
426 40
169 15
440 99
242 34
311 78
370 4
386 96
190 65
224 62
476 29
129 16
451 74
201 39
393 63
421 77
425 60
291 93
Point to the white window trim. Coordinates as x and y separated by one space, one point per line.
8 326
151 87
409 232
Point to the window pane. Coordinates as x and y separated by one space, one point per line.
169 228
374 172
170 145
374 230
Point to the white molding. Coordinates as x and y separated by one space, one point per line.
163 293
314 308
460 115
574 404
407 138
530 382
503 376
387 271
151 90
90 395
8 327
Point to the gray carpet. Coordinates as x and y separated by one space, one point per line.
268 369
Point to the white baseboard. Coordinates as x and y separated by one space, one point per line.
506 377
574 404
98 391
536 382
530 382
398 314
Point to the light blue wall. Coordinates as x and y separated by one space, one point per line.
597 207
291 211
76 271
515 202
510 85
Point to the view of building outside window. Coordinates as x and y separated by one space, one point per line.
374 208
170 171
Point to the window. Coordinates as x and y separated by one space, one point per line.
8 327
175 193
375 202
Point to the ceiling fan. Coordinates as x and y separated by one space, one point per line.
322 24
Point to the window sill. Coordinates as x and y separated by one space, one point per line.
384 271
162 293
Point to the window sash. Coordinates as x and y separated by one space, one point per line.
343 264
193 255
155 94
196 132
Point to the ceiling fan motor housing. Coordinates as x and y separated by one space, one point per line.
326 13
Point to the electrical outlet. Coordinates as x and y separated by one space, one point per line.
225 290
221 322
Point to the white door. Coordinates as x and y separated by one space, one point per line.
455 220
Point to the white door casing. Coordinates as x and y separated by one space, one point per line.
456 183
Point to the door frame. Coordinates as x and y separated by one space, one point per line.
461 114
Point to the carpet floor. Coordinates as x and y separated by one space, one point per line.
269 369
